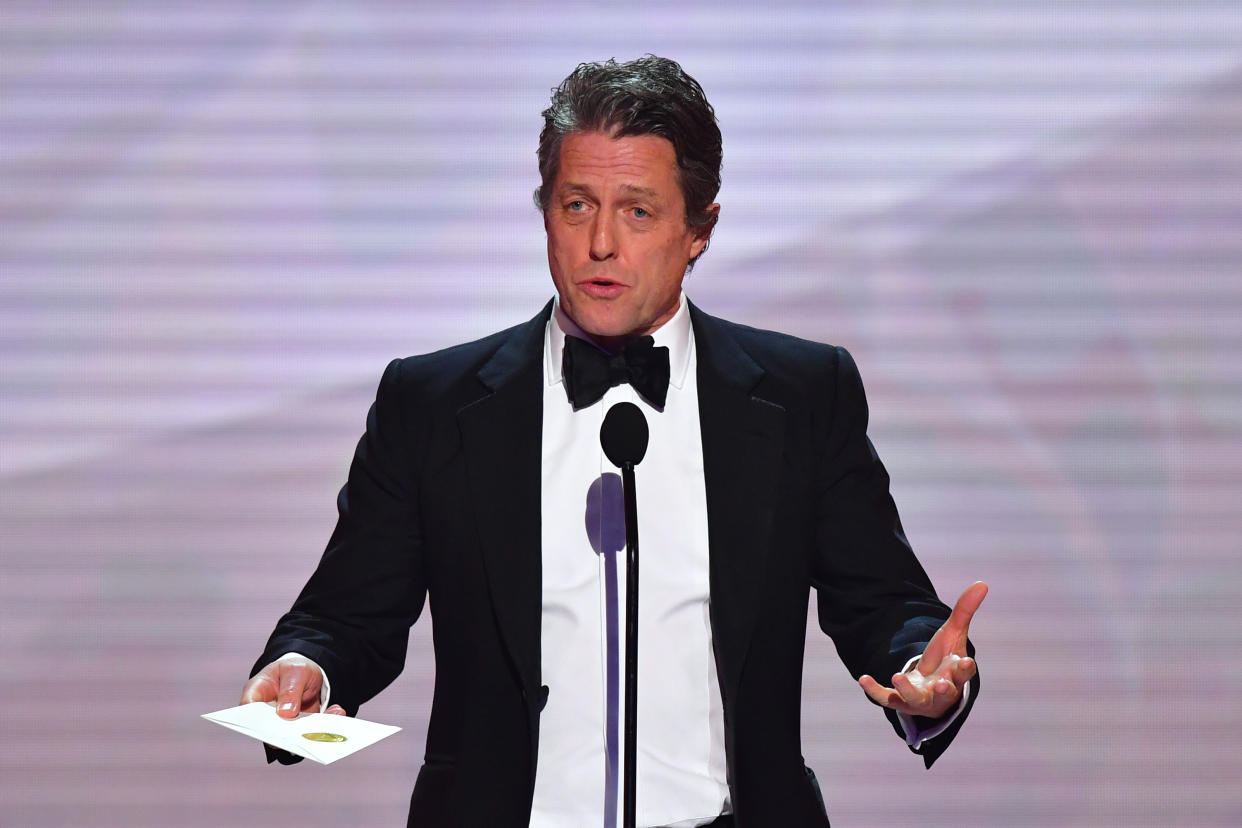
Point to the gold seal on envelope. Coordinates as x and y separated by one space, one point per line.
324 737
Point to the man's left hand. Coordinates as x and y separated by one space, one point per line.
935 686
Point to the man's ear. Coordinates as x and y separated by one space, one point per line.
703 234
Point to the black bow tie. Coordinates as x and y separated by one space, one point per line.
589 372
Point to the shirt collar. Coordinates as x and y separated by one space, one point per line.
676 334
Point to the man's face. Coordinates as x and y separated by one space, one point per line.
618 242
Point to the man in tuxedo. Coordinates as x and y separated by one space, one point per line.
480 485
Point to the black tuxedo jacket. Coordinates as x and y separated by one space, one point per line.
442 501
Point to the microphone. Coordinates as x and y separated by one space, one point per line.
624 436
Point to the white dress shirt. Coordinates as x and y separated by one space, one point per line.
681 775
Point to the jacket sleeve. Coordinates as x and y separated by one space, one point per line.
873 597
354 614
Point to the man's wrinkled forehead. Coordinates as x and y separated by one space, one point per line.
635 157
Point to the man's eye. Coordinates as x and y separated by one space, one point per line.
577 205
639 212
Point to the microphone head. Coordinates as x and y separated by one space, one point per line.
624 434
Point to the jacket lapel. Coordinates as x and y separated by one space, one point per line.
742 445
742 437
501 436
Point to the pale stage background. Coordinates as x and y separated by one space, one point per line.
218 221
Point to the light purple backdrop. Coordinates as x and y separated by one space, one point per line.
219 221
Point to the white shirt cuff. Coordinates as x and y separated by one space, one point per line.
325 690
915 737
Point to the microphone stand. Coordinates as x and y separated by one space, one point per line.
624 436
631 639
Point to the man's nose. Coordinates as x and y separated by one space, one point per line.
603 239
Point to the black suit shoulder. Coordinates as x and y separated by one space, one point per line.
775 349
460 374
438 372
794 370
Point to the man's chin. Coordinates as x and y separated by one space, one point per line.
601 325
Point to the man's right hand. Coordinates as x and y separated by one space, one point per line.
293 683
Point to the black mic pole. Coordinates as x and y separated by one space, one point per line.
624 438
631 639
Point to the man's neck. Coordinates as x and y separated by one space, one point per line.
608 344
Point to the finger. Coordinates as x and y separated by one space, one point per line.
936 695
878 693
951 637
954 672
261 688
910 693
310 697
964 609
336 710
954 669
947 668
938 649
966 669
941 681
293 680
885 696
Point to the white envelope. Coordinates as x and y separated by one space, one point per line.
320 737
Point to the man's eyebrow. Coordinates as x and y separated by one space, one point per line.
629 189
634 189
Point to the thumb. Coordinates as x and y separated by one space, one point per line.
292 683
950 639
964 609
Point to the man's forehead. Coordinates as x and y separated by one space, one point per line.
635 159
609 142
